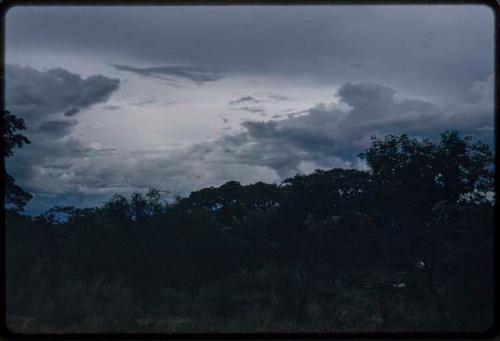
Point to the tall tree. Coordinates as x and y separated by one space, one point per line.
412 178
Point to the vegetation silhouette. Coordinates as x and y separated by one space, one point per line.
403 246
15 197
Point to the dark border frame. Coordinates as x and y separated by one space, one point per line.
491 333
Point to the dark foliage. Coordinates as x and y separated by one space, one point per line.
405 246
15 197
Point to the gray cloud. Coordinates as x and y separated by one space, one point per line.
242 103
326 136
277 97
196 74
296 113
367 100
144 102
439 59
43 99
72 112
57 128
253 110
432 50
270 97
246 99
36 95
111 107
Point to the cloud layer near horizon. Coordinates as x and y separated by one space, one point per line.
58 165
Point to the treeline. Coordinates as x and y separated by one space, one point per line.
404 246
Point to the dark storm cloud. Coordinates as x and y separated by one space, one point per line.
327 136
196 74
43 99
367 100
35 95
72 112
57 128
433 50
111 107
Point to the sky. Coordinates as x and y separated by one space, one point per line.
120 99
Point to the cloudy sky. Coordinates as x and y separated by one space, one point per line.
119 99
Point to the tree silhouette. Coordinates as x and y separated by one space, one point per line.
14 195
413 178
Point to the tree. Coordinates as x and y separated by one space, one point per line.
14 194
308 200
418 174
412 178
